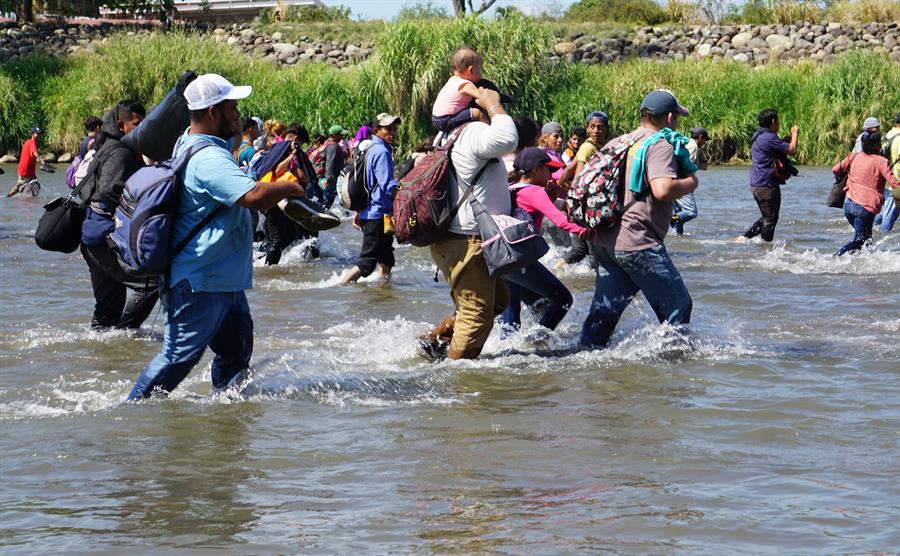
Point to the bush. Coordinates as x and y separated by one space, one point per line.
422 10
630 11
865 11
306 14
22 88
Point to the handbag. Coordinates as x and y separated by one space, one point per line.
508 243
59 228
837 195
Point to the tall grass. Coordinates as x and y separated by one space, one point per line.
412 63
21 89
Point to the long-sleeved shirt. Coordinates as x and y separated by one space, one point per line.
866 176
477 145
534 200
334 163
381 180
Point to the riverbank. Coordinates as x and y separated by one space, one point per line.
409 64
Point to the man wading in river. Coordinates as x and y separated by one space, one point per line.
204 297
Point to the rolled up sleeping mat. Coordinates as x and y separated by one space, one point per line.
156 136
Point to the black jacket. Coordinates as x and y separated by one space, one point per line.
115 164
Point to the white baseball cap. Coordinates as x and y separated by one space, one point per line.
210 89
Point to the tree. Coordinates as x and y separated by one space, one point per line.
460 8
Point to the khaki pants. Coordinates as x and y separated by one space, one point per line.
478 297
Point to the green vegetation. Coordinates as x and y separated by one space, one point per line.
307 14
356 32
412 63
646 12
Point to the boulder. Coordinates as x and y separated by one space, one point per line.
704 50
757 43
742 58
335 53
49 157
248 34
741 40
285 50
65 158
277 36
565 48
8 159
779 40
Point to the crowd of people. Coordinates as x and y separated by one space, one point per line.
501 164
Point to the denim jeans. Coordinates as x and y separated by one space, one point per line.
542 284
862 221
620 275
685 209
888 214
220 320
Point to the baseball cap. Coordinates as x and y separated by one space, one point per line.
871 122
335 129
531 157
210 89
385 120
37 130
661 102
699 132
550 128
598 115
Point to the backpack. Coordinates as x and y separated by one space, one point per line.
78 170
596 198
70 172
886 145
422 212
352 184
319 158
146 214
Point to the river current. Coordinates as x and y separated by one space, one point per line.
772 428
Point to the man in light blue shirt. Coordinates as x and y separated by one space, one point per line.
374 221
203 294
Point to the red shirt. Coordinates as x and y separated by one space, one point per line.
866 178
28 159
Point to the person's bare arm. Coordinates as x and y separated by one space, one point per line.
669 189
470 89
266 195
792 147
568 175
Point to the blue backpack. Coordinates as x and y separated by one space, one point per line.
146 214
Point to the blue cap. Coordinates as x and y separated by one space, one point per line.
598 115
661 102
36 130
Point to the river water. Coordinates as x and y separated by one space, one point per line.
772 429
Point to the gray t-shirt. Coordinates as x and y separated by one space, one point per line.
646 220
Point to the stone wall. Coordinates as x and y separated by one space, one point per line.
749 44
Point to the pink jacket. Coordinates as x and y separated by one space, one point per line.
534 200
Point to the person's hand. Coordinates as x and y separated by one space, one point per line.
356 222
487 98
584 235
795 129
299 192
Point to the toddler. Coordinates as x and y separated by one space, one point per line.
452 106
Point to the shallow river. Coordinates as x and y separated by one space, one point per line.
772 429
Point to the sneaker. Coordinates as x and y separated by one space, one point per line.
432 350
309 214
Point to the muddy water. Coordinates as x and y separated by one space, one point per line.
772 428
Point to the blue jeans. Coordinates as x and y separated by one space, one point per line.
888 214
533 283
620 275
685 209
862 221
220 320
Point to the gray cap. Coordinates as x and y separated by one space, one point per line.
550 128
871 122
661 102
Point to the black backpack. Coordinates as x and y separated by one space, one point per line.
353 184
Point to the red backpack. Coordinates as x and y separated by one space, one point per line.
422 212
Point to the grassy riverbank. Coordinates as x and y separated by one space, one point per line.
828 102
